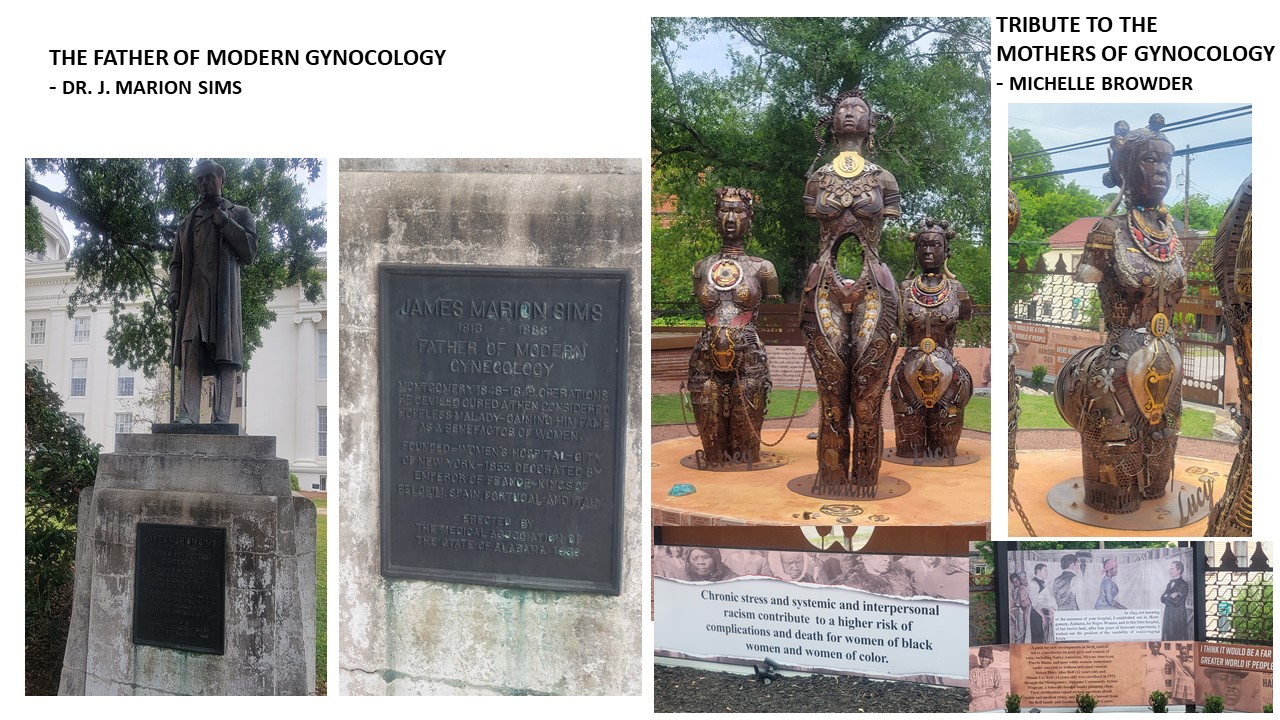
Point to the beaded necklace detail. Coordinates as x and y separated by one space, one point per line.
1159 245
930 296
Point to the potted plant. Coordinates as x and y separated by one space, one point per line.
1159 701
1214 704
1085 703
1013 703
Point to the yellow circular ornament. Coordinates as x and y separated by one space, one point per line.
928 345
1159 325
848 164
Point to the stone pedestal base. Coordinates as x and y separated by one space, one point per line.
221 481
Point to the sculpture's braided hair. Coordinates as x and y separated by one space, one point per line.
1120 154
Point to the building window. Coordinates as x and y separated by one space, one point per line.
323 484
79 376
124 422
1031 310
1046 307
239 390
37 332
322 432
124 382
37 364
81 333
77 418
322 355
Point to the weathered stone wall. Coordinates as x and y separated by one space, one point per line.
429 637
231 482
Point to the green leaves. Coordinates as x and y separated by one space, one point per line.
751 124
125 213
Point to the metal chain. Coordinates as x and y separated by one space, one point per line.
684 397
1017 505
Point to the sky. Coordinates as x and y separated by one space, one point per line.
1217 173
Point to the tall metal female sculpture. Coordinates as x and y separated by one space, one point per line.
1233 269
850 326
1125 396
930 387
729 370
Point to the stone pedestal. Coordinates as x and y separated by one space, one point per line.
212 481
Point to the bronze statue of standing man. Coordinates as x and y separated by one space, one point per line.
213 241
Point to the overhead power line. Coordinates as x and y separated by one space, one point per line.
1213 117
1177 153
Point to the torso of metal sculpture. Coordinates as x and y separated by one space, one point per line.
1232 516
850 326
930 387
1125 397
729 369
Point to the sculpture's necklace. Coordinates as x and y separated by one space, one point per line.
930 296
848 164
1159 244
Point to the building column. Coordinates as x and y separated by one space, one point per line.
304 439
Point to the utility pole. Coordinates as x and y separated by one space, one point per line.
1186 192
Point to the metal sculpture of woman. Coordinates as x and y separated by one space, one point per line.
729 370
850 327
1125 397
1232 516
931 388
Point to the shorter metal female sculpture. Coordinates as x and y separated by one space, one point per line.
1233 270
729 370
1125 396
930 387
850 326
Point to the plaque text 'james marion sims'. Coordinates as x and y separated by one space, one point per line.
179 585
502 393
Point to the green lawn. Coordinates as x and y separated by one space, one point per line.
1038 411
666 408
322 611
321 503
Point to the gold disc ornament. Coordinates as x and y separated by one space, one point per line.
725 274
849 164
928 345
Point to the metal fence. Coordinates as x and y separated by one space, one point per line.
1238 593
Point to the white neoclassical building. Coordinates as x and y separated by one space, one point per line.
283 393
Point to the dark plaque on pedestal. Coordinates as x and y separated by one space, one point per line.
503 395
179 586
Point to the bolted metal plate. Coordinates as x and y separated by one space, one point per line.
503 394
1181 506
179 586
963 457
767 461
887 488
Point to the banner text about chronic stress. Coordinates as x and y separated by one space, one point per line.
1159 57
238 58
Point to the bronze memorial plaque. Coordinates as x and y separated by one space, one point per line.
179 587
503 409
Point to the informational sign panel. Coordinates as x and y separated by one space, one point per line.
1100 595
891 616
503 410
179 587
1120 674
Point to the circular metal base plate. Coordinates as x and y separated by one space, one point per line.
767 461
962 457
1181 506
887 488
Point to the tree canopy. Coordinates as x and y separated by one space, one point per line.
928 80
1048 205
125 213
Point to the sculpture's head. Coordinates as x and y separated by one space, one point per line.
734 213
209 179
1140 163
933 244
850 116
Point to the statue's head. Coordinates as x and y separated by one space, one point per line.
209 179
734 213
850 116
933 244
1140 163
